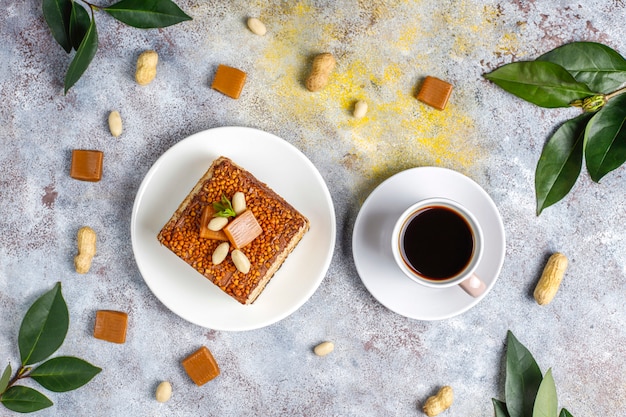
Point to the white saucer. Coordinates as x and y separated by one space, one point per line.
371 239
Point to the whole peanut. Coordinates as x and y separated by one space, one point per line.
241 261
220 253
163 392
217 223
440 402
324 348
360 109
551 278
256 26
323 64
239 202
146 67
86 239
115 123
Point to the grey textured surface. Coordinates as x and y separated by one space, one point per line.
383 364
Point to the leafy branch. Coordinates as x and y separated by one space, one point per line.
587 75
527 392
42 332
74 27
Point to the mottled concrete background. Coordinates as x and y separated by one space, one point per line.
383 364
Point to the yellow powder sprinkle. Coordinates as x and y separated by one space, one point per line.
509 45
406 40
398 131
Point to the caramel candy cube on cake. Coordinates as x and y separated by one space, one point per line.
243 230
111 326
205 232
229 81
86 165
201 366
435 92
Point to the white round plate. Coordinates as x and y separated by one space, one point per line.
273 161
371 242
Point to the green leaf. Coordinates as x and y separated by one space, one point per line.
147 14
560 162
540 82
57 15
84 54
5 378
597 65
44 327
24 400
546 402
523 378
605 138
64 373
565 413
79 24
223 208
499 408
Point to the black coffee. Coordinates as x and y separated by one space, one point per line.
437 243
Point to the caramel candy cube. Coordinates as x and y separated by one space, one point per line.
201 366
111 326
243 230
86 165
205 232
435 92
229 81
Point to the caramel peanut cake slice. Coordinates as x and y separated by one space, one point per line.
254 228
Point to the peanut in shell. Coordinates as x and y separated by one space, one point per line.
551 278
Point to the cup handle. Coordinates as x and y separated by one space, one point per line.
473 285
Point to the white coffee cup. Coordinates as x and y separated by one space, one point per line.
437 242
